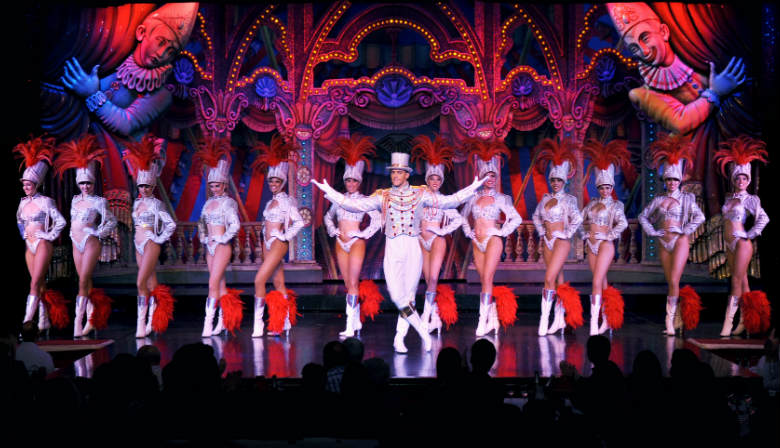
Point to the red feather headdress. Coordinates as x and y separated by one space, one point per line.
355 148
435 152
485 150
277 152
549 150
211 149
35 150
140 155
671 149
741 150
78 154
613 153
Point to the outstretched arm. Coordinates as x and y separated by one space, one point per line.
355 205
453 200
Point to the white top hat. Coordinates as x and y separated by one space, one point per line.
399 161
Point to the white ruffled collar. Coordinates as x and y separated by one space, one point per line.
141 79
666 78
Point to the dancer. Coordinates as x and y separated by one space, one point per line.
603 222
740 151
402 208
281 222
40 223
677 216
556 218
217 226
153 227
84 155
485 209
436 224
351 247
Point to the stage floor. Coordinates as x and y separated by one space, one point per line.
521 352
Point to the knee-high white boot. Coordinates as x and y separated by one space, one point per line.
559 320
31 308
143 308
548 297
208 321
731 310
428 307
351 305
81 307
356 323
43 316
259 326
434 322
219 327
484 311
90 309
414 320
401 328
595 311
152 306
671 313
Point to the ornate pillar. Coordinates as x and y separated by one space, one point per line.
651 185
301 188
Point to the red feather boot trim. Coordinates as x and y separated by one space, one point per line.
756 311
57 307
570 298
370 298
163 313
445 301
690 307
277 311
232 310
612 304
506 305
101 304
292 307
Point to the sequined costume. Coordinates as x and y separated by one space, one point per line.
447 220
501 204
286 210
218 211
748 204
339 214
564 210
682 210
610 215
151 219
47 217
88 216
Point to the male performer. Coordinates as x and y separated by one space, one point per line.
402 208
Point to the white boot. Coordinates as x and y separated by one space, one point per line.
259 326
219 328
427 306
31 308
208 321
484 310
671 313
435 324
43 317
356 323
548 296
740 326
595 311
401 328
731 310
152 307
604 324
90 308
491 323
81 307
559 321
414 320
351 304
140 327
287 324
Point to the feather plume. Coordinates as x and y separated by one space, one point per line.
355 148
671 149
102 308
57 308
78 154
370 298
35 150
549 150
140 154
506 305
163 313
740 150
613 306
690 307
232 310
570 298
292 306
211 149
615 152
445 301
277 152
485 150
435 152
756 311
277 311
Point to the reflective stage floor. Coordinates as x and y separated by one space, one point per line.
521 353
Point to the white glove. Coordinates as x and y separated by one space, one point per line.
42 235
492 231
276 234
559 234
471 235
658 233
221 239
739 234
335 233
600 236
437 231
327 189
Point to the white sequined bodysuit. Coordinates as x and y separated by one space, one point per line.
501 204
86 216
737 208
565 210
286 213
682 210
337 214
611 215
152 222
218 211
46 223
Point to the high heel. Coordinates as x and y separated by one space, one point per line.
485 300
220 327
559 322
671 314
258 325
90 309
43 317
547 303
140 324
152 306
595 311
81 306
349 331
208 320
401 328
731 310
31 308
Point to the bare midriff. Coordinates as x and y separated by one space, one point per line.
77 228
595 228
482 225
426 225
214 229
32 227
345 227
729 227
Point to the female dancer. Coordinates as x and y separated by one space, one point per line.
351 247
153 227
281 222
556 218
84 155
677 216
217 226
739 249
485 209
605 221
40 223
438 155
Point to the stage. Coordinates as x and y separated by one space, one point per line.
521 353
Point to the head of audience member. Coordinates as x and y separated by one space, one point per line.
378 372
598 348
483 355
313 378
29 331
646 368
684 364
193 370
334 355
354 350
448 364
150 354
